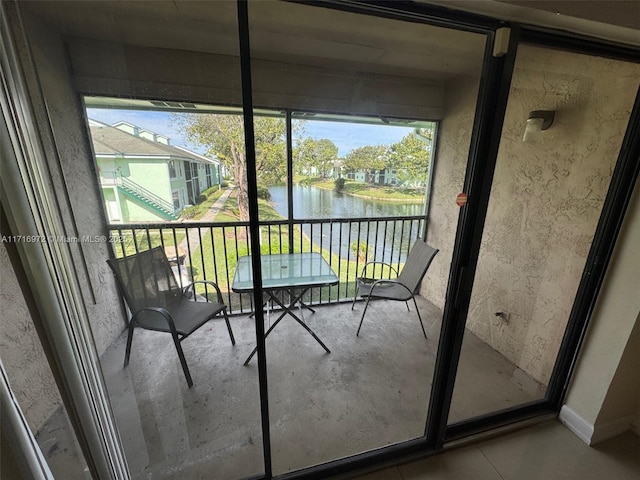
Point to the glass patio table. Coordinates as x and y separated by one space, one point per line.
291 273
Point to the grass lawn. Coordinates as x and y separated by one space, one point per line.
144 239
377 192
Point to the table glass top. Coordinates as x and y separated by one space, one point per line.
285 270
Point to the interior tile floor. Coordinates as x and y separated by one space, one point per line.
547 451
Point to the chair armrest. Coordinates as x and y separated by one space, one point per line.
208 282
161 311
364 269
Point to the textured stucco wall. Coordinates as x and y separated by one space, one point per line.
21 351
60 118
546 199
448 179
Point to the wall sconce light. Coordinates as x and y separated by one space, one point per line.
538 120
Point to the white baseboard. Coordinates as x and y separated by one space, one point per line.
578 425
592 434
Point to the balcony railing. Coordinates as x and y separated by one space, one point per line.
210 251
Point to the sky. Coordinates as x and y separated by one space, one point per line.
346 136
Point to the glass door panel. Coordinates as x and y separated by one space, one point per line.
366 97
169 153
564 124
23 360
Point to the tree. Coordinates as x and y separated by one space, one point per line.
320 154
410 156
371 159
223 136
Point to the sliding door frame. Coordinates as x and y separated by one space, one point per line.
104 454
615 205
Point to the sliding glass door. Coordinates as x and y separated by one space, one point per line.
365 99
372 127
564 125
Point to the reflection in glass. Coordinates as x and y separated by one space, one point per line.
32 382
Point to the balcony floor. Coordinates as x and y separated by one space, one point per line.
370 391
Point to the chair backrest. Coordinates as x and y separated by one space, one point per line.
416 266
146 279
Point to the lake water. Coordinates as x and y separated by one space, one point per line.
388 240
313 202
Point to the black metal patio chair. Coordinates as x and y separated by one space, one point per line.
158 303
402 288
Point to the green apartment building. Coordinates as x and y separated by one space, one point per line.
143 177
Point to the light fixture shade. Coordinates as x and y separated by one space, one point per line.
532 128
538 121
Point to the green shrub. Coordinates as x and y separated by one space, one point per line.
361 249
210 191
190 212
201 198
339 184
263 192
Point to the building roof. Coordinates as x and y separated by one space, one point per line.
142 132
110 141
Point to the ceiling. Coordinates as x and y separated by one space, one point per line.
623 13
279 31
318 37
616 20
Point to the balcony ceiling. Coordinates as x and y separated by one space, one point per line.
280 32
320 37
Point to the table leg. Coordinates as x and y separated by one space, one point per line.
288 310
253 352
297 319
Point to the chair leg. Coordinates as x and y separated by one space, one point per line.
183 361
408 309
419 317
362 319
355 296
226 319
129 340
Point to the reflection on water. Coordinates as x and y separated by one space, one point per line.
388 241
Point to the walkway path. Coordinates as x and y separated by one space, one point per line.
193 238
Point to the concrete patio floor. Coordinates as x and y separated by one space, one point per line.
370 391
